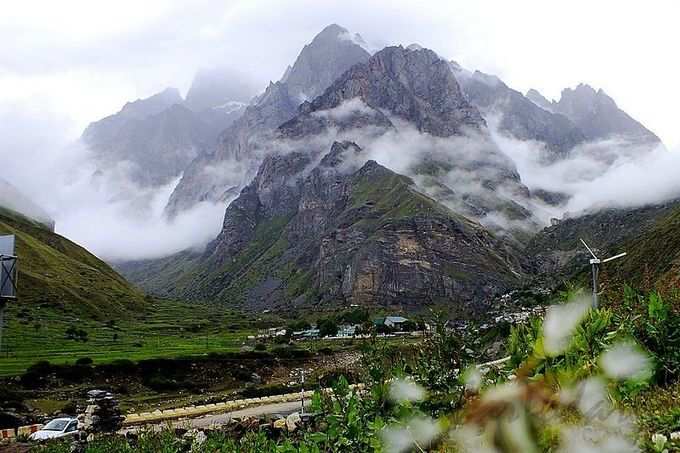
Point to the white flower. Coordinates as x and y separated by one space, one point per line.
406 390
560 323
675 435
659 441
470 439
625 361
507 392
473 379
418 431
592 399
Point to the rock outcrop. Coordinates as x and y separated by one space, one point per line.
343 231
597 116
517 115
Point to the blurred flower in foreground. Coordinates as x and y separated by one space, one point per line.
589 440
472 379
470 439
418 432
659 441
560 323
406 390
625 361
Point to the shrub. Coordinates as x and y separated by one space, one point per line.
260 347
37 374
84 361
73 333
327 328
658 329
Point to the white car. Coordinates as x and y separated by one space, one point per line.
59 427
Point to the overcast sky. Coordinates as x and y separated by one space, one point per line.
74 61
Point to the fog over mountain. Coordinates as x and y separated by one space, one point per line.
155 175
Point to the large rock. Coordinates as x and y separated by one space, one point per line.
293 421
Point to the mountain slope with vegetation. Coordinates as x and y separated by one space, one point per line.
336 236
57 272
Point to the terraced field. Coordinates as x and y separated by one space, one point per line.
162 329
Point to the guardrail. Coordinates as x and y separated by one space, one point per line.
196 411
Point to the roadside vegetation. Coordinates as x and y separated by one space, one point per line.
578 380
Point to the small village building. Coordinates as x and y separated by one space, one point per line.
393 322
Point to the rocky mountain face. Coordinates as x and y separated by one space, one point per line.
413 85
317 220
322 227
331 52
155 137
596 115
402 88
537 98
322 61
517 115
341 232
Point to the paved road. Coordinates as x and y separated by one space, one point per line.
206 421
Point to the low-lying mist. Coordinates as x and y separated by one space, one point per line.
103 211
118 220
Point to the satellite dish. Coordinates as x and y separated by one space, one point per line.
8 269
595 265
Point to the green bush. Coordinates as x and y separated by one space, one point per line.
327 328
658 329
84 361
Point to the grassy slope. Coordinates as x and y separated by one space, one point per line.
59 273
163 329
654 256
61 285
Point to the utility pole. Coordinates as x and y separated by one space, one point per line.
595 265
302 392
2 321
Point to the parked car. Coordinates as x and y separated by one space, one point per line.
59 427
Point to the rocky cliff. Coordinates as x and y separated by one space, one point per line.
340 232
517 115
596 115
322 61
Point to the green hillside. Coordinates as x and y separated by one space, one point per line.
57 273
654 256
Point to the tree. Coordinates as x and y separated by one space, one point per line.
327 328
